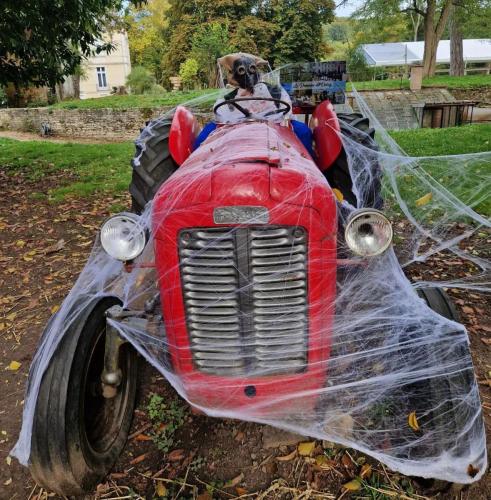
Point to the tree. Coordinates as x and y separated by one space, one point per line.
189 72
456 43
140 80
146 28
434 13
42 41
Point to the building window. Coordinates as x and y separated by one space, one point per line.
101 78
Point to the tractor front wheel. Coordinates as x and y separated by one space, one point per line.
78 434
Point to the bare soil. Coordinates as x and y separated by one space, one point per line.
43 248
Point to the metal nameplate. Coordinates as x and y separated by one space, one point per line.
241 215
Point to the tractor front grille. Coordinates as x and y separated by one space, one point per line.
245 294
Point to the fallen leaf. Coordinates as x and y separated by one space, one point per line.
287 458
20 243
353 485
176 455
11 316
54 309
323 462
8 460
14 366
241 491
366 471
239 436
160 489
471 470
206 495
59 245
338 194
486 341
138 459
424 200
306 449
9 481
143 437
235 481
413 421
467 310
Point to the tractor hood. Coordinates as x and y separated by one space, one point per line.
250 163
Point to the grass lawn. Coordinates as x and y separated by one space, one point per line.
444 141
451 82
133 101
89 168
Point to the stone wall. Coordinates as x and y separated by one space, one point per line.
111 124
396 109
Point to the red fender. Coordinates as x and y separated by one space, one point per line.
183 132
326 129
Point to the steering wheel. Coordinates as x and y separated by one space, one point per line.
234 102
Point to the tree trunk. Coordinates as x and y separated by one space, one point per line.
433 30
456 45
76 86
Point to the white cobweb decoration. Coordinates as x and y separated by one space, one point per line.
348 358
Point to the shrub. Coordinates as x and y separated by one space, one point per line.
189 73
140 80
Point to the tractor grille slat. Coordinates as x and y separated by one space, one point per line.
245 294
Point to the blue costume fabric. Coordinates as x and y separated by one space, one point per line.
301 130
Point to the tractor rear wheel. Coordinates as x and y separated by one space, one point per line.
78 434
152 163
356 127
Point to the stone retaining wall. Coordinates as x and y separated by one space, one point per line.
112 124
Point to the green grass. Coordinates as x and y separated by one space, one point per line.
132 101
93 167
89 168
450 82
444 141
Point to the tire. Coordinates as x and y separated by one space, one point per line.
439 397
152 163
77 434
356 127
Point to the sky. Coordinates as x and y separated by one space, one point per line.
348 8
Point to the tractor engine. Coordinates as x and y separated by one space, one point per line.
245 244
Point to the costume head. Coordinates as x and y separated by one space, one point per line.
242 69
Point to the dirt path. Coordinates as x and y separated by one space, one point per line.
43 248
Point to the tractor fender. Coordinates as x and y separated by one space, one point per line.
327 135
183 132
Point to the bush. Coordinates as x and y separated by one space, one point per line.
156 90
3 98
358 68
140 80
189 73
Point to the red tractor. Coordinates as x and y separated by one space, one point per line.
249 240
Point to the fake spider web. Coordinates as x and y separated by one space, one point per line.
392 378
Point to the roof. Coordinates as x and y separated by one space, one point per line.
402 53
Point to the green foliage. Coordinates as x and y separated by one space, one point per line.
166 418
146 27
140 80
189 72
357 66
42 41
210 42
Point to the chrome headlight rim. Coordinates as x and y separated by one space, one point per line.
367 214
139 236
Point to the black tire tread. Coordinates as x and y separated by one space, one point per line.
155 163
356 127
52 458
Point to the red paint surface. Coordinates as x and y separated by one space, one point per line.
326 130
183 132
260 164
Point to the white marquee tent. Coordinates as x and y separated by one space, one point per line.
404 53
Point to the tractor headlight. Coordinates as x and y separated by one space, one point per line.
368 232
123 236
